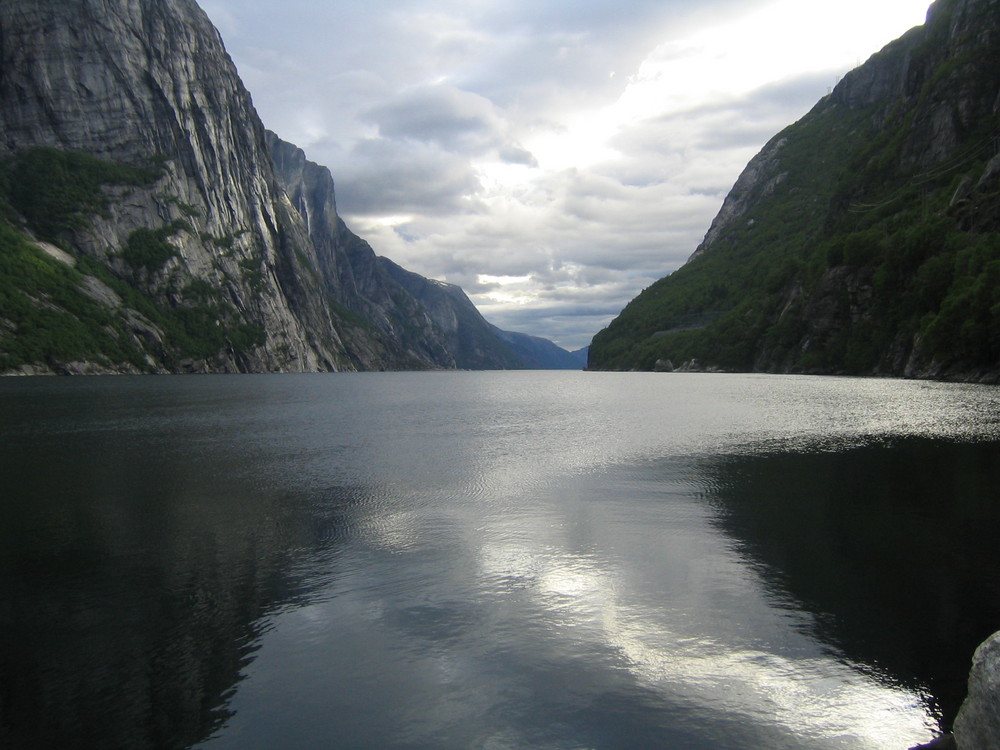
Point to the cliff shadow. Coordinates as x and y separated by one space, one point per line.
891 546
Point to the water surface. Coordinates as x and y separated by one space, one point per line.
492 560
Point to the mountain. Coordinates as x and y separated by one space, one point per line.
149 223
424 321
468 335
540 354
427 319
581 356
863 239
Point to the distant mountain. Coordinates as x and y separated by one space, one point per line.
468 336
540 354
863 239
149 223
421 320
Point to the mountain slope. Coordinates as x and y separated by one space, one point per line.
862 239
541 354
191 231
148 223
425 321
470 338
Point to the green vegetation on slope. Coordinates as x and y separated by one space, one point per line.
856 261
148 249
56 191
46 316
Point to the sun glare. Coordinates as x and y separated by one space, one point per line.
390 221
485 278
581 142
780 41
783 40
507 290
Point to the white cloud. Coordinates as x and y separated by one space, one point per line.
568 153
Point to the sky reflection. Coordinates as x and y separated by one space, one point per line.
471 560
714 637
476 628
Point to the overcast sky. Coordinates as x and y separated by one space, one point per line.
552 157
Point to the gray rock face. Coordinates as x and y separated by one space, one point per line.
133 81
977 726
472 341
757 181
250 218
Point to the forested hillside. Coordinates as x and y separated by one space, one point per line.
863 239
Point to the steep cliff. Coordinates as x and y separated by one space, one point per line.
977 726
862 239
196 236
423 321
148 223
471 340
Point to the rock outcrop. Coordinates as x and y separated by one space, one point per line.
757 181
977 726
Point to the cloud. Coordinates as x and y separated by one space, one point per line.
514 154
392 177
553 158
453 119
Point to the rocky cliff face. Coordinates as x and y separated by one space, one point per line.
423 322
862 238
152 224
132 82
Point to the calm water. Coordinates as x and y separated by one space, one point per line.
492 560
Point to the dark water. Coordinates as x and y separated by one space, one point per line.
492 560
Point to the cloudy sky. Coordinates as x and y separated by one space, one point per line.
552 157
